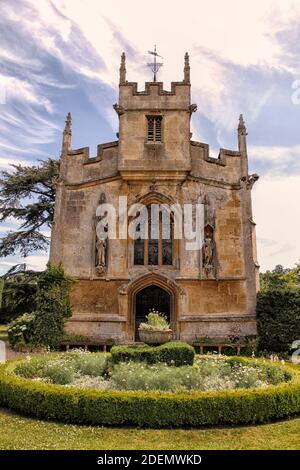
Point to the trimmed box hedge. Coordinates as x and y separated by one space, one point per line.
149 409
173 353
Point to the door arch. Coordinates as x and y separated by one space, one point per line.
148 298
127 296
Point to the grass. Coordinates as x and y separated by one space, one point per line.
3 333
19 432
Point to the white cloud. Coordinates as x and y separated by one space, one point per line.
276 213
36 262
278 160
224 39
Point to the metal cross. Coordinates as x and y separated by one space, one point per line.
155 66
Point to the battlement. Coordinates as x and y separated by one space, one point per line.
226 168
154 96
158 87
80 168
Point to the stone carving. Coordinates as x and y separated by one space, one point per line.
187 68
208 253
101 245
153 186
119 109
123 69
192 108
241 127
249 180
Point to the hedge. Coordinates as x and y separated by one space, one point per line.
149 409
177 354
278 319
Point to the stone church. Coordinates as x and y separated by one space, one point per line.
205 293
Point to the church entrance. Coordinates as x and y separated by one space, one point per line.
148 298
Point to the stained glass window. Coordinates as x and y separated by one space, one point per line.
158 248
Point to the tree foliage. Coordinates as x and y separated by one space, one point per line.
18 296
27 194
278 309
278 319
280 278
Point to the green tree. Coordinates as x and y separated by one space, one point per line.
27 194
292 276
18 295
280 278
278 309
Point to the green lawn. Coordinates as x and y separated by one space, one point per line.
3 333
19 432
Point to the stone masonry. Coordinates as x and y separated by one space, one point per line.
218 301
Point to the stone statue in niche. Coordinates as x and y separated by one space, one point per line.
208 251
101 248
101 244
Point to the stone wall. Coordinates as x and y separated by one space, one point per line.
175 170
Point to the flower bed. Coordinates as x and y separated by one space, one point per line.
148 408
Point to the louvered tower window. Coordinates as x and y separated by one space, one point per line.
154 128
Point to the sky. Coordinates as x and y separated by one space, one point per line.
64 55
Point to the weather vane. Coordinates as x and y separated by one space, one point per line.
155 66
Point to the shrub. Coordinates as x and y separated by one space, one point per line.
31 368
92 364
155 321
150 409
177 354
53 306
217 376
1 292
73 338
58 372
207 374
61 369
278 319
21 331
139 376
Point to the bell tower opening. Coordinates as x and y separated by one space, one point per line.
148 298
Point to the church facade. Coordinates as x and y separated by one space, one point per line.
205 293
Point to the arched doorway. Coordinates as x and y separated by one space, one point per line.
151 297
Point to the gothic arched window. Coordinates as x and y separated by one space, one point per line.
157 248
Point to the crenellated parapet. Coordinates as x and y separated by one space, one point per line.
80 168
226 168
155 97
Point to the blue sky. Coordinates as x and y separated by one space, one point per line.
59 56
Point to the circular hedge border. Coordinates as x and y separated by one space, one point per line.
149 409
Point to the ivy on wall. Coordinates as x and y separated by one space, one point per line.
53 306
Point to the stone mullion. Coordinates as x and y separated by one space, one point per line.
160 242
